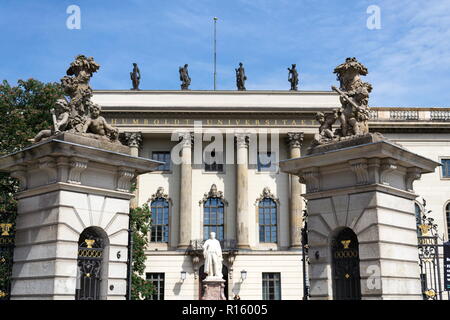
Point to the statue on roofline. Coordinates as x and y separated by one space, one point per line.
79 114
293 77
184 77
240 77
135 76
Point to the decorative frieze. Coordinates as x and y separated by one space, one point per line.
360 168
48 165
213 193
160 194
412 174
294 139
124 176
133 139
20 173
77 166
266 193
388 165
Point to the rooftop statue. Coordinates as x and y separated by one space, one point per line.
353 114
240 77
77 113
135 76
184 77
293 77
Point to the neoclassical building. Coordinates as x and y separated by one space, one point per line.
254 208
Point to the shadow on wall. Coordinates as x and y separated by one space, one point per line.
187 267
237 288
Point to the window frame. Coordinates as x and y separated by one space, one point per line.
441 171
167 202
209 226
166 152
158 280
266 286
271 225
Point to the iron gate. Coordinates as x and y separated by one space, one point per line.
428 245
345 266
6 257
90 256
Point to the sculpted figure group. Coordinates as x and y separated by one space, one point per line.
353 114
77 113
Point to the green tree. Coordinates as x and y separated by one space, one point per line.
140 220
24 111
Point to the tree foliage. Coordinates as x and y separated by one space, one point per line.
140 220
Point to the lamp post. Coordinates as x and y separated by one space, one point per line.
215 54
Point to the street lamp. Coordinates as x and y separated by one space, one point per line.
183 275
243 275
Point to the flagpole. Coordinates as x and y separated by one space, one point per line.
215 53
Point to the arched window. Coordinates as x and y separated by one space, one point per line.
160 217
213 213
213 218
267 214
447 215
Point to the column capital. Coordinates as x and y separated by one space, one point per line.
133 139
241 140
294 139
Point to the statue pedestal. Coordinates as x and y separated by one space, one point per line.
70 186
214 289
361 220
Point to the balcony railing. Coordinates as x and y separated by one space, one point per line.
404 115
227 245
440 115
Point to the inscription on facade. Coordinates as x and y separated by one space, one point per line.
211 122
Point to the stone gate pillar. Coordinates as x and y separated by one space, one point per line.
362 187
71 183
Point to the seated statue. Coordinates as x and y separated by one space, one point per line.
326 127
59 125
96 124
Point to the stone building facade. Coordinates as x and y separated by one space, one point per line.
254 207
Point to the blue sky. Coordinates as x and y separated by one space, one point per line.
408 58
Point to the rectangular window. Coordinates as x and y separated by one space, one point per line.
214 166
157 279
271 285
267 162
163 156
445 168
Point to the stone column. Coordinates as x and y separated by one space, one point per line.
185 192
242 232
134 141
294 140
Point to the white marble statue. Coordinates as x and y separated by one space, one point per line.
212 252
